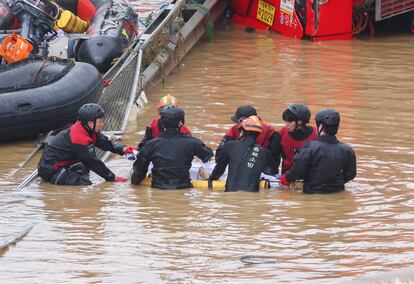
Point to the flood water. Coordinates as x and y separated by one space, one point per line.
116 233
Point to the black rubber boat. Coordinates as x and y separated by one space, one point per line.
112 29
37 96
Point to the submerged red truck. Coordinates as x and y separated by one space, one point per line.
317 19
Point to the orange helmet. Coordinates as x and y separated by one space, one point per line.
252 123
167 100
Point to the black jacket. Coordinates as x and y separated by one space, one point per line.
74 145
171 154
324 164
246 161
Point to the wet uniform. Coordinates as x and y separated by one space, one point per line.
171 154
155 129
246 160
291 143
269 139
325 165
71 154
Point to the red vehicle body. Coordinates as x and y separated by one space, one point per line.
315 19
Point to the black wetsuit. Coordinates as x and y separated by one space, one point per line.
246 161
171 154
269 139
71 154
325 165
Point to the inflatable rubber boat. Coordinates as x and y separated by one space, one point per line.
44 79
112 31
37 96
94 32
112 27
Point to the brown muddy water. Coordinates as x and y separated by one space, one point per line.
116 233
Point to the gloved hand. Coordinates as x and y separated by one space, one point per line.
130 153
278 176
121 179
284 181
129 150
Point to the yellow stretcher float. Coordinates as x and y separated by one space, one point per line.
219 185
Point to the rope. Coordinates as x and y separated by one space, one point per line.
120 7
40 70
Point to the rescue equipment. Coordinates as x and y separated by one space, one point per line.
37 18
85 9
71 23
15 48
215 185
110 26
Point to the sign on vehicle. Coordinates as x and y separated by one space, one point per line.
266 12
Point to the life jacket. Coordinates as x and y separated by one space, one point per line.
263 139
156 128
291 146
77 134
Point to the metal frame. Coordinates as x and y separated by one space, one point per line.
379 4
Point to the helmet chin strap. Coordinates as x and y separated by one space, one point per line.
94 126
297 126
321 128
91 131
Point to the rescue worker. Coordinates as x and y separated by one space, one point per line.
246 159
324 164
171 153
268 138
295 133
156 127
68 158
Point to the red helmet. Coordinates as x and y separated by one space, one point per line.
252 123
167 100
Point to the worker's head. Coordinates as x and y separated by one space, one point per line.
167 100
172 117
92 117
251 126
243 112
327 121
296 116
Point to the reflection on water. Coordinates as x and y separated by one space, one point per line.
116 233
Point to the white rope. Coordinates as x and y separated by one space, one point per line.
121 8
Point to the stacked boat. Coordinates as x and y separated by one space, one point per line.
53 59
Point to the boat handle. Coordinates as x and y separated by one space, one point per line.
24 106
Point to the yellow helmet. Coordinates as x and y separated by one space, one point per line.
252 123
167 100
